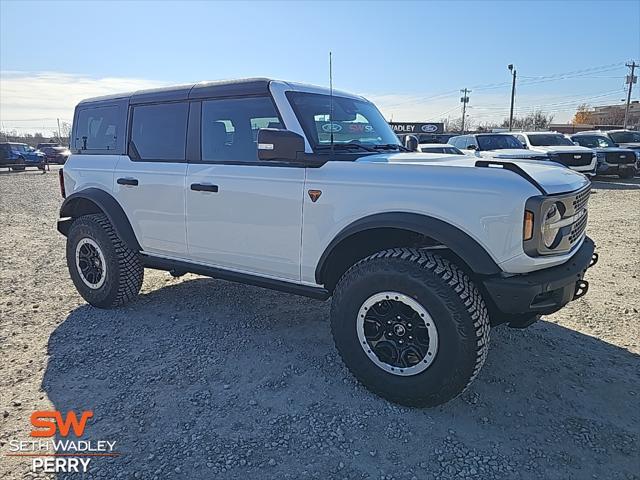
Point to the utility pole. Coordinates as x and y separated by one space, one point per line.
631 79
464 99
513 93
59 135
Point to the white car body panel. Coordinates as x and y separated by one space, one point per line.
82 172
252 224
155 207
441 186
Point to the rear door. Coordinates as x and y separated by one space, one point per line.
150 181
243 215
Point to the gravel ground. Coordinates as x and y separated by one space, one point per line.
201 378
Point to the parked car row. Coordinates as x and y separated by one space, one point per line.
604 153
18 156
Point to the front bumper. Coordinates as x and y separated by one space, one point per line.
543 291
604 167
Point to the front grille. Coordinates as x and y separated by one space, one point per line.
577 229
573 159
581 199
579 205
620 157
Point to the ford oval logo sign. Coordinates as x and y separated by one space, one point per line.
577 157
429 128
332 127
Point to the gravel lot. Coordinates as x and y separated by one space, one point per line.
201 378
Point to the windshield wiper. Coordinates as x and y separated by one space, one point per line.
345 146
391 146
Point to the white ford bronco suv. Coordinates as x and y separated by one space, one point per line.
307 191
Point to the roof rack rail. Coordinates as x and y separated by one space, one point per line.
512 167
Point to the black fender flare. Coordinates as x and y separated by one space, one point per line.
75 206
459 242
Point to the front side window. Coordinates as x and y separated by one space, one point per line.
350 120
159 132
625 137
498 142
230 127
548 140
96 129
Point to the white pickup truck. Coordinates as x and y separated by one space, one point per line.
560 149
296 188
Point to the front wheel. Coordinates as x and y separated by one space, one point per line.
411 326
104 270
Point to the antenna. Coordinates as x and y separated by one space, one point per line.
331 99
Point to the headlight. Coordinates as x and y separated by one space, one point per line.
554 224
550 226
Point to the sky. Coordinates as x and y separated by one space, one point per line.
410 58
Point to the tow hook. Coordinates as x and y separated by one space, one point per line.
582 287
594 259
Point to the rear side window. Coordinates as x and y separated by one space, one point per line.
96 129
230 128
159 132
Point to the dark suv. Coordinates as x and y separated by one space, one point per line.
611 158
54 152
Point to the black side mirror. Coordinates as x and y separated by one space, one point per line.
274 144
472 147
411 143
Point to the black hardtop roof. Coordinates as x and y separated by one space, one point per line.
224 88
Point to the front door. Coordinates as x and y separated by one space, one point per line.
243 215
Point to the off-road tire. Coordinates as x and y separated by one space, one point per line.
454 304
124 271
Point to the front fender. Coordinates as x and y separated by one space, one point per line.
459 242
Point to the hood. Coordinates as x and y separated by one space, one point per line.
553 177
612 150
513 153
560 149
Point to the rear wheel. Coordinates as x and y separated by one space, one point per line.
20 165
104 270
411 326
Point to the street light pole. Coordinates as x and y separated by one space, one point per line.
513 94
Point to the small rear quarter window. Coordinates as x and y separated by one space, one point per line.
96 128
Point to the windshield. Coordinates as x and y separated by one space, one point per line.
353 121
19 148
444 149
498 142
548 139
593 141
625 137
